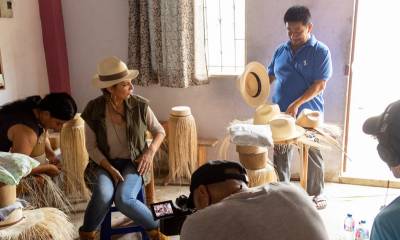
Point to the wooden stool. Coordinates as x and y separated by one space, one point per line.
202 145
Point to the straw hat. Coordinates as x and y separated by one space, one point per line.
111 71
254 84
14 217
283 127
309 119
265 113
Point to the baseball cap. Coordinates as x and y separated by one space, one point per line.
386 128
378 124
213 172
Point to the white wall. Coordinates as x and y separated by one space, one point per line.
22 53
97 28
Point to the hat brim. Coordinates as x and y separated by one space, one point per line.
259 70
132 74
296 134
14 217
372 125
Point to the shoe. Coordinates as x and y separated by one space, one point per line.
320 202
87 235
155 234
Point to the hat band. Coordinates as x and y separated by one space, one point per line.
258 85
113 77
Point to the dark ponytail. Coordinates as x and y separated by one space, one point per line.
26 104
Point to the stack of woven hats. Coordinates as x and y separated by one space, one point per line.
254 87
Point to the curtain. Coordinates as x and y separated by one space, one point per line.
167 42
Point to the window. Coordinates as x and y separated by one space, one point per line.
225 36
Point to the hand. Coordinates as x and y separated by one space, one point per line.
55 161
292 110
51 170
115 174
145 161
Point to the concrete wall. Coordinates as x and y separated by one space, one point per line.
22 53
98 28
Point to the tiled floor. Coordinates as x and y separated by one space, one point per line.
363 202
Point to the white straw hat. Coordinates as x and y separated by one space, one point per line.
14 217
111 71
254 84
309 119
265 113
283 127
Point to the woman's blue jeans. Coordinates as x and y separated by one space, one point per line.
124 196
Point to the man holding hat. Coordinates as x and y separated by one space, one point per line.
301 68
386 128
228 209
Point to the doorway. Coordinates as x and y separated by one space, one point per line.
375 83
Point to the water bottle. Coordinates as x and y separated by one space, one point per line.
348 226
362 232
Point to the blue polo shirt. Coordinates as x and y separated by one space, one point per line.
296 72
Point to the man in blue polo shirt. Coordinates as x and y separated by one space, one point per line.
301 67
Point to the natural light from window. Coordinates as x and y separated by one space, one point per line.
375 83
225 36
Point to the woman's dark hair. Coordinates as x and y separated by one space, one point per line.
22 105
60 105
297 14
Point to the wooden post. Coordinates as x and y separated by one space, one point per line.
304 166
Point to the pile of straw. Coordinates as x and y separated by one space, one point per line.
40 224
41 191
262 176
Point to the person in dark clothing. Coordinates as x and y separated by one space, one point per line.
24 124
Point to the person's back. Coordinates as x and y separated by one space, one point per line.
274 211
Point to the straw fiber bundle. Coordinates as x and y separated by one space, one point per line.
182 144
75 158
41 191
262 176
40 224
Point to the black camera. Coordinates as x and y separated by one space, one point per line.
171 216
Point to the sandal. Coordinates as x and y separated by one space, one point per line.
320 202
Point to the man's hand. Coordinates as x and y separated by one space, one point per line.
292 109
145 160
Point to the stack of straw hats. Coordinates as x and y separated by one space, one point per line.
254 87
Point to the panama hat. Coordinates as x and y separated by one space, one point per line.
254 84
14 217
265 113
111 71
309 119
283 127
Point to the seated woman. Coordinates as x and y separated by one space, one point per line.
116 123
23 129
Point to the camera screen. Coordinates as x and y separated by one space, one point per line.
162 209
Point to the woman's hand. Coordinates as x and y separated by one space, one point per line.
49 169
115 174
145 161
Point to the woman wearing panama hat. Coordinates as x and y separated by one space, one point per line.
115 124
